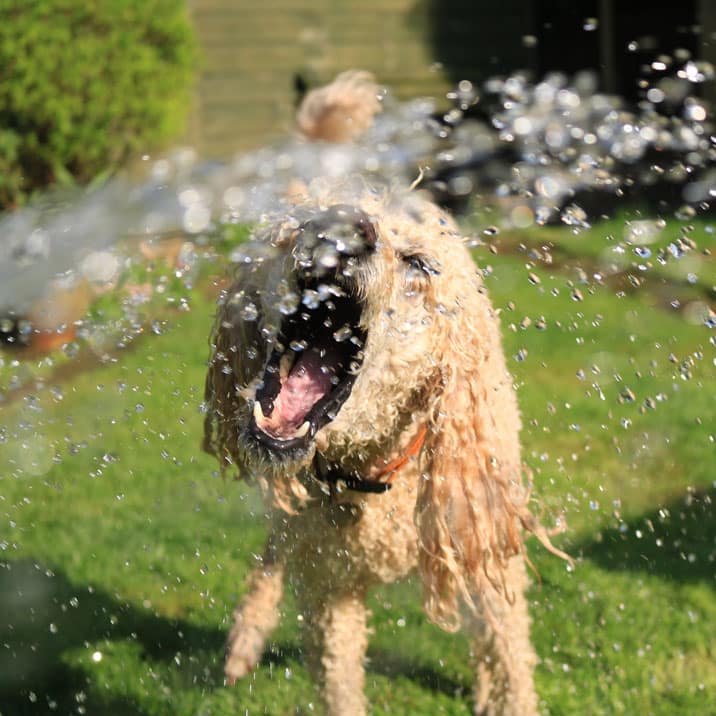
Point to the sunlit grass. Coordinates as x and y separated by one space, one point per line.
124 552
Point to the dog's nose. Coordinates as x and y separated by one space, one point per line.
330 239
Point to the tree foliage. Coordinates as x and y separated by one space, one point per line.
84 84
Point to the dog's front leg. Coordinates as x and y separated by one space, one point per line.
335 638
256 615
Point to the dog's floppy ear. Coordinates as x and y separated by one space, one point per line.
232 340
472 505
238 347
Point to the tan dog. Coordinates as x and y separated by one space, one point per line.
358 377
342 110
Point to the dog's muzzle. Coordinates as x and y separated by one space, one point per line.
319 349
331 242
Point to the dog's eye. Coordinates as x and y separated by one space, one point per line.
422 264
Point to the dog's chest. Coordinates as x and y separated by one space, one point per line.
356 540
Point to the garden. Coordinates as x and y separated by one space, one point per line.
123 551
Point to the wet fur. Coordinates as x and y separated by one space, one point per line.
458 513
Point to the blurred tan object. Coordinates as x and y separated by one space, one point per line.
53 317
341 111
297 192
166 250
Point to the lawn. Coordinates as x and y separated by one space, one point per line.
122 552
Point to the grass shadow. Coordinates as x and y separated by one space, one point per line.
676 541
380 662
45 615
391 665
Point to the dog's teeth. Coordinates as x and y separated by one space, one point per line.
303 430
258 412
286 364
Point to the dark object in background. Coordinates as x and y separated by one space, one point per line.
15 332
300 88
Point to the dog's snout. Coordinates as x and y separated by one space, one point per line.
329 239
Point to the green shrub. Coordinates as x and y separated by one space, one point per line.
86 83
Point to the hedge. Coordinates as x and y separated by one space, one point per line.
86 83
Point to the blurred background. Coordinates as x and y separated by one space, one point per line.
256 55
140 143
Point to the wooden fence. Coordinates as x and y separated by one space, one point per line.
251 52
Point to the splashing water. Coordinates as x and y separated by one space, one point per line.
540 144
604 394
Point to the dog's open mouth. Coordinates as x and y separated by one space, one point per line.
311 371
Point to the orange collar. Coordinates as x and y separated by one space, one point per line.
382 480
394 466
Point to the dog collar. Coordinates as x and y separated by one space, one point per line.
379 484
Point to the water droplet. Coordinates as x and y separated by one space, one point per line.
288 304
249 312
343 334
311 299
71 349
590 24
685 213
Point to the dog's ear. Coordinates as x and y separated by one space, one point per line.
472 505
238 347
233 339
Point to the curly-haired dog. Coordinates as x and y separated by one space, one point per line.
358 376
340 111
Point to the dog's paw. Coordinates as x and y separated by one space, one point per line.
243 653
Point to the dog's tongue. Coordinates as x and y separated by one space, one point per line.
308 382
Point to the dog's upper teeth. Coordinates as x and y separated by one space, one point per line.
258 412
303 430
286 364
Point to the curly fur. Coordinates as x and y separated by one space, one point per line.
342 110
458 512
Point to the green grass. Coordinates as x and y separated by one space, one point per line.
123 552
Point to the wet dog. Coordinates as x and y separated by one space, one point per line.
357 376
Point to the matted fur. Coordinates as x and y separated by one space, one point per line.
458 512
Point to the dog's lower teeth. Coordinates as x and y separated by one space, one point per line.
286 364
303 430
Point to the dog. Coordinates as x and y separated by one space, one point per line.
357 376
342 111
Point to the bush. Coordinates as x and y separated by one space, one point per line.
84 84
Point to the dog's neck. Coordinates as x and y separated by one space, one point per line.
375 477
